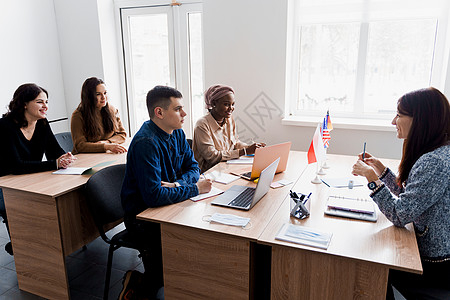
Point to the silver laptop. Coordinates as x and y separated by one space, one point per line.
244 197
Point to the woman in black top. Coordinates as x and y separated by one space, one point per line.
26 136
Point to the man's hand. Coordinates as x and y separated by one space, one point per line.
204 186
168 184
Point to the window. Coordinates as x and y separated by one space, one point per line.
357 57
162 45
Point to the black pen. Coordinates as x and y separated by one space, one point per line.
293 194
325 183
307 198
364 151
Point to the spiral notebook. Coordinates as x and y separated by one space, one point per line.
354 208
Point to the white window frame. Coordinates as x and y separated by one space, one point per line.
353 13
178 39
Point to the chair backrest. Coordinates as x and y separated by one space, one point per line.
65 141
103 195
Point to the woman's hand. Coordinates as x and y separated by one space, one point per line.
65 160
252 148
362 169
115 148
374 162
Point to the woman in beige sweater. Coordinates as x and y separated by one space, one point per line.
215 136
96 125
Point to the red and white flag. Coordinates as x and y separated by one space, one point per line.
316 151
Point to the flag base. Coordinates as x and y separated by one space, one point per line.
321 171
325 166
316 180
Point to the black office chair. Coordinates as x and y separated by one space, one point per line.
424 293
65 141
103 198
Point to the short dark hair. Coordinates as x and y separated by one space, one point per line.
159 96
25 93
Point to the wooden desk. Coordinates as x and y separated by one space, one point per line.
49 219
357 262
213 261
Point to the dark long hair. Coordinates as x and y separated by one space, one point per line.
88 107
16 109
430 112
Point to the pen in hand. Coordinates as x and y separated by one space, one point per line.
364 152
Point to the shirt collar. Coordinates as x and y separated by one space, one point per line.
213 123
159 132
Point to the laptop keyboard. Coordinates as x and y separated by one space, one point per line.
244 198
247 174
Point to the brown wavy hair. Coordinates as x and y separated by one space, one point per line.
88 107
430 112
16 109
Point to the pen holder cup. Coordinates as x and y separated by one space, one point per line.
299 205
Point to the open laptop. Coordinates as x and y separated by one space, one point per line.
244 197
265 156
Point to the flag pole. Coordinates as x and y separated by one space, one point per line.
320 171
316 179
329 128
324 165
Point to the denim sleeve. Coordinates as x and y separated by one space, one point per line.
190 169
147 170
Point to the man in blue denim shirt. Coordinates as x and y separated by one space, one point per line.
160 170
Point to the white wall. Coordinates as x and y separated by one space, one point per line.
80 45
30 52
245 47
58 45
88 43
111 57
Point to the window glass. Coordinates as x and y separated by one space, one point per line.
149 46
399 60
196 64
328 62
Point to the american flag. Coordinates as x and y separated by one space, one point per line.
329 125
325 131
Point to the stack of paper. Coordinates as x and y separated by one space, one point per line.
243 160
214 192
72 171
221 177
304 235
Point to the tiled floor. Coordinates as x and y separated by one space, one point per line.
86 270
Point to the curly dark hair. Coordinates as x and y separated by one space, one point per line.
16 109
